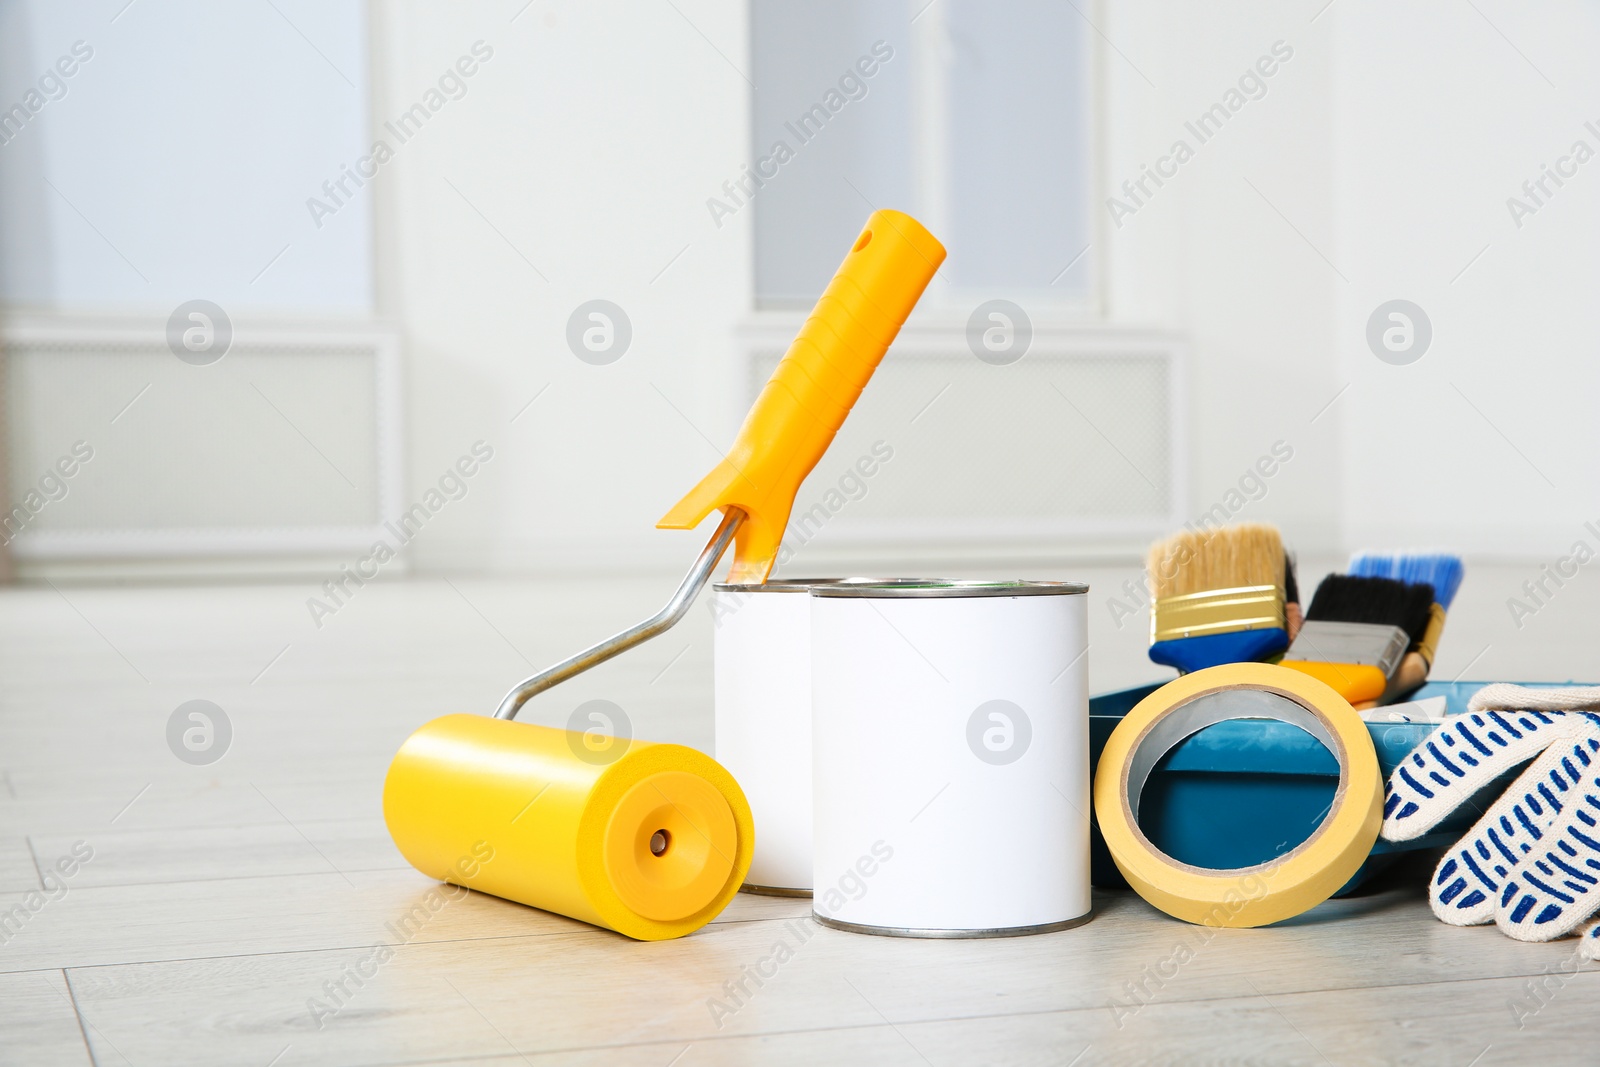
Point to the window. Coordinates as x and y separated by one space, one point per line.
974 117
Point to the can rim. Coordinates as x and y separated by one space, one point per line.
986 932
805 585
951 587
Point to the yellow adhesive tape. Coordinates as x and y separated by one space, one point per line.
652 844
1268 892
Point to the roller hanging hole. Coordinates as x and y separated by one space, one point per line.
863 240
660 841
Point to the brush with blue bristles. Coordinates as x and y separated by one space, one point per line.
1440 570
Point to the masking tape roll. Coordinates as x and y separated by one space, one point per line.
1268 892
652 843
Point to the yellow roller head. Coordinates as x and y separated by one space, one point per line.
813 389
652 845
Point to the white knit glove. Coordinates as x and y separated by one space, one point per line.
1531 865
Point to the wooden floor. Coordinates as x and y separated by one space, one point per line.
223 903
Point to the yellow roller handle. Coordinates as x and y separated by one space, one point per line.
814 387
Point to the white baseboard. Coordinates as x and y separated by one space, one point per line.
284 452
221 569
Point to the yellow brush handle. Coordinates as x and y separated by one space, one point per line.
1356 682
816 384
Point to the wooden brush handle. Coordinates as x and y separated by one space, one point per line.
1411 673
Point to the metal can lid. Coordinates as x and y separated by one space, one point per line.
951 587
805 585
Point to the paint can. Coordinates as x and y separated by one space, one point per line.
761 664
950 750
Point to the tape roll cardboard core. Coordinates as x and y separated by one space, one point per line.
1183 722
1268 892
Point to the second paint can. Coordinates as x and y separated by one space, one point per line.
761 666
950 753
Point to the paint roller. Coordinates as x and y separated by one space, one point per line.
653 840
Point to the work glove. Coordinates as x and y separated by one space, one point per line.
1531 865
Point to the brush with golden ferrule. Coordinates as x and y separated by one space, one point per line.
1235 625
1219 597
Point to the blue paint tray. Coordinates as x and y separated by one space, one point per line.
1245 791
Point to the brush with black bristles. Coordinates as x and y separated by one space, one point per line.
1443 571
1218 596
1357 630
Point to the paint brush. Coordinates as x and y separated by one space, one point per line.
1218 596
1293 616
1357 630
1443 572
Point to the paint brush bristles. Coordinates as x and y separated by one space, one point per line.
1438 569
1194 561
1384 601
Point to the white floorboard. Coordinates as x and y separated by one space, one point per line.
221 899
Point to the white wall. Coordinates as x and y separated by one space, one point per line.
591 142
584 152
1209 254
577 165
175 161
154 154
1377 166
1489 441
